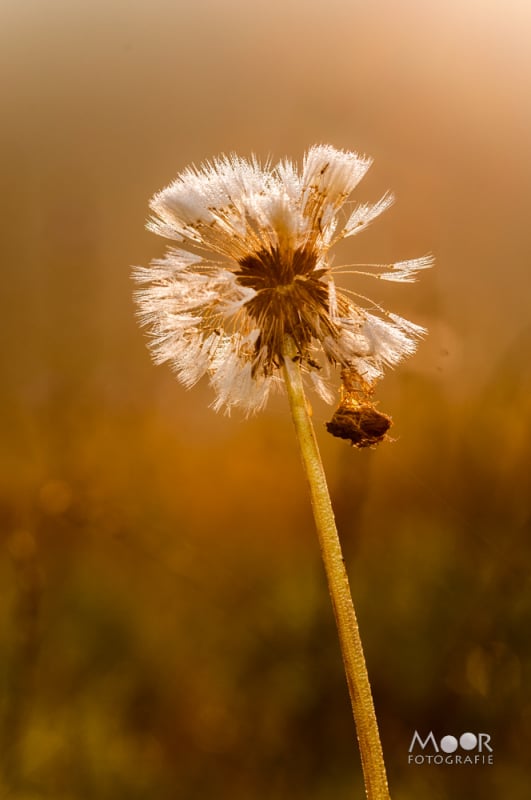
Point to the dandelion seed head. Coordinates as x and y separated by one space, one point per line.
251 270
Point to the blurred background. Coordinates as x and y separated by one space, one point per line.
165 628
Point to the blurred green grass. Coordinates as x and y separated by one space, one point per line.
166 629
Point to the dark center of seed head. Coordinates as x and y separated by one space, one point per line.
291 300
271 269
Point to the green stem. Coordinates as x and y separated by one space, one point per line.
354 661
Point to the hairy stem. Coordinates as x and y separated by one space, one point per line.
349 637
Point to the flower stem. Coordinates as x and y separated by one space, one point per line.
349 637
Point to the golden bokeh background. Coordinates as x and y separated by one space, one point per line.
165 629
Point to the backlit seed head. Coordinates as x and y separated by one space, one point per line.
250 269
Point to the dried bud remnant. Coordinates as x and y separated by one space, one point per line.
356 418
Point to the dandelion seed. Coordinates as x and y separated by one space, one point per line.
252 270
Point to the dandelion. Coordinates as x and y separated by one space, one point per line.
248 297
256 273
